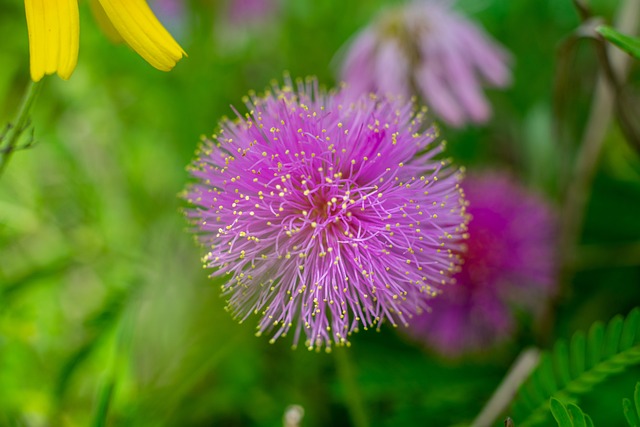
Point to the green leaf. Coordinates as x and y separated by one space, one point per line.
104 402
561 363
629 44
636 398
577 353
594 344
632 410
630 328
588 420
612 336
576 415
547 376
629 412
570 415
560 413
567 373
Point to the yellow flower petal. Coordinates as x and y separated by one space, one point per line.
140 28
104 23
53 36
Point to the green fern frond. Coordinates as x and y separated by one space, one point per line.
632 410
570 415
573 369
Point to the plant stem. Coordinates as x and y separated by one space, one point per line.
502 397
579 189
104 402
120 349
19 125
346 373
614 68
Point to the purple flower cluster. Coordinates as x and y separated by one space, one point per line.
425 47
324 215
510 263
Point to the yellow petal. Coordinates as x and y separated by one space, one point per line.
53 36
140 28
104 23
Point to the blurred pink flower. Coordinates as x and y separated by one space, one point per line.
429 48
509 264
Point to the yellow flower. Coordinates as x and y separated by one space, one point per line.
54 31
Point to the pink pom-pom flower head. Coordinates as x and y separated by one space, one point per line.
324 215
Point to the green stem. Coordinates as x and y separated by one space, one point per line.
587 160
614 70
19 125
118 360
504 394
104 402
346 373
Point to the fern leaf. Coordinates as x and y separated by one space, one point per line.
629 413
612 336
631 410
630 330
577 353
560 413
561 363
570 415
546 375
572 370
636 398
577 416
594 344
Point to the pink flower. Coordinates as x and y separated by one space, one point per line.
510 263
428 48
325 215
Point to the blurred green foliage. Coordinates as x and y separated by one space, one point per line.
102 293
